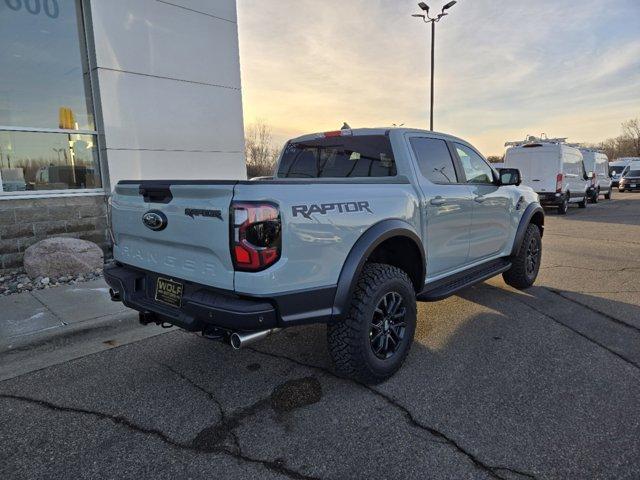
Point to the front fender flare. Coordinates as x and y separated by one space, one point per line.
361 251
525 220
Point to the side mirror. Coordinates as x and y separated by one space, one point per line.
510 176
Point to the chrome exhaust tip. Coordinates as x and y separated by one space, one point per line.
241 340
115 296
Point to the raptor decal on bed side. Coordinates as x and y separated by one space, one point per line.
323 209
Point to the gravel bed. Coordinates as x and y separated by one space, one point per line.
18 281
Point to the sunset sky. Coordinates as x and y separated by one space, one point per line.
503 69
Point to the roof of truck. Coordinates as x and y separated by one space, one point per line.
377 131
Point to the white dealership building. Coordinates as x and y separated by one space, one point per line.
95 91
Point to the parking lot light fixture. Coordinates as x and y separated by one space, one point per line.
427 19
448 6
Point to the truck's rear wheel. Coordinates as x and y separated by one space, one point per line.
371 344
526 265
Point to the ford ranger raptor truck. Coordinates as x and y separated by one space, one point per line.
352 230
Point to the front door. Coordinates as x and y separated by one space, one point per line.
447 205
492 204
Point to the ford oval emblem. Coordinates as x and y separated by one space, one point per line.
155 220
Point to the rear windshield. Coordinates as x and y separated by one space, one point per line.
339 157
633 173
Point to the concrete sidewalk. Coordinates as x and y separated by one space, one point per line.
39 311
55 325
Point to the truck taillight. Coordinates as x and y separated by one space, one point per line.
255 235
559 180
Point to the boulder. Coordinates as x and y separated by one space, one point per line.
55 257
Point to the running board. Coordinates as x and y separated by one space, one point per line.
446 287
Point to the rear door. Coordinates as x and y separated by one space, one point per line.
539 165
447 205
518 158
178 229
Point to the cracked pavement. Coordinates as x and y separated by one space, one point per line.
500 384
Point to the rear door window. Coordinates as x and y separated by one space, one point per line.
358 156
434 160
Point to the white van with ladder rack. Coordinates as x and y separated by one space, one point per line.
554 169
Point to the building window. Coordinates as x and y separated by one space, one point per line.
48 138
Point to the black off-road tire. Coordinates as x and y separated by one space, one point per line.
583 203
563 208
350 344
520 275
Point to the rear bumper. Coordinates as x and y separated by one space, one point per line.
204 308
551 199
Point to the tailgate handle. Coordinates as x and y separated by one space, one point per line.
156 193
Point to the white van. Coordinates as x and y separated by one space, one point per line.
553 169
617 168
598 163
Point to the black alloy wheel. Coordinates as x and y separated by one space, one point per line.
388 325
532 260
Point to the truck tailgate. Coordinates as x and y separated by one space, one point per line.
194 242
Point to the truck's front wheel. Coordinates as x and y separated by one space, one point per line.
371 344
526 265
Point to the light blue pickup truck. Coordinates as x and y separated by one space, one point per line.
354 228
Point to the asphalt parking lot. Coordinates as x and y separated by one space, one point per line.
542 384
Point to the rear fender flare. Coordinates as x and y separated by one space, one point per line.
360 253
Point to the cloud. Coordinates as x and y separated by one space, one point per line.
503 68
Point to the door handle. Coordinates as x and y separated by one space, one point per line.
438 201
480 199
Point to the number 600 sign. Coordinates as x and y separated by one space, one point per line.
50 7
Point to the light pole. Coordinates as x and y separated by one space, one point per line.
427 19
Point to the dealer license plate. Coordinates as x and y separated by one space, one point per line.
169 292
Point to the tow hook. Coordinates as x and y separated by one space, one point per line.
147 318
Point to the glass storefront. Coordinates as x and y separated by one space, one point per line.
47 129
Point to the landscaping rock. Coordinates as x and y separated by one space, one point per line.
10 283
60 256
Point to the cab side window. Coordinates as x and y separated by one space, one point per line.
475 168
434 160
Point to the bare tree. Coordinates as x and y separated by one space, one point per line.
631 132
495 159
260 153
625 145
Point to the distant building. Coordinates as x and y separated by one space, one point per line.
95 91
